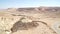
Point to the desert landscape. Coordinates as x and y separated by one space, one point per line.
36 20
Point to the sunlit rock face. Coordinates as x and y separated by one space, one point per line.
6 22
5 32
56 27
26 20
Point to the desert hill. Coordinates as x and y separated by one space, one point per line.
37 20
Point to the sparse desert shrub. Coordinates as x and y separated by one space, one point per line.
23 26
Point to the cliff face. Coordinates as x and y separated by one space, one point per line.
38 20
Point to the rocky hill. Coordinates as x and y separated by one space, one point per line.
37 20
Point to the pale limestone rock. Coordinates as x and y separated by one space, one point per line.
6 23
5 32
56 27
26 20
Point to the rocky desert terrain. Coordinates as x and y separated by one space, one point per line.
37 20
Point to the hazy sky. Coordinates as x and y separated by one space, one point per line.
28 3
